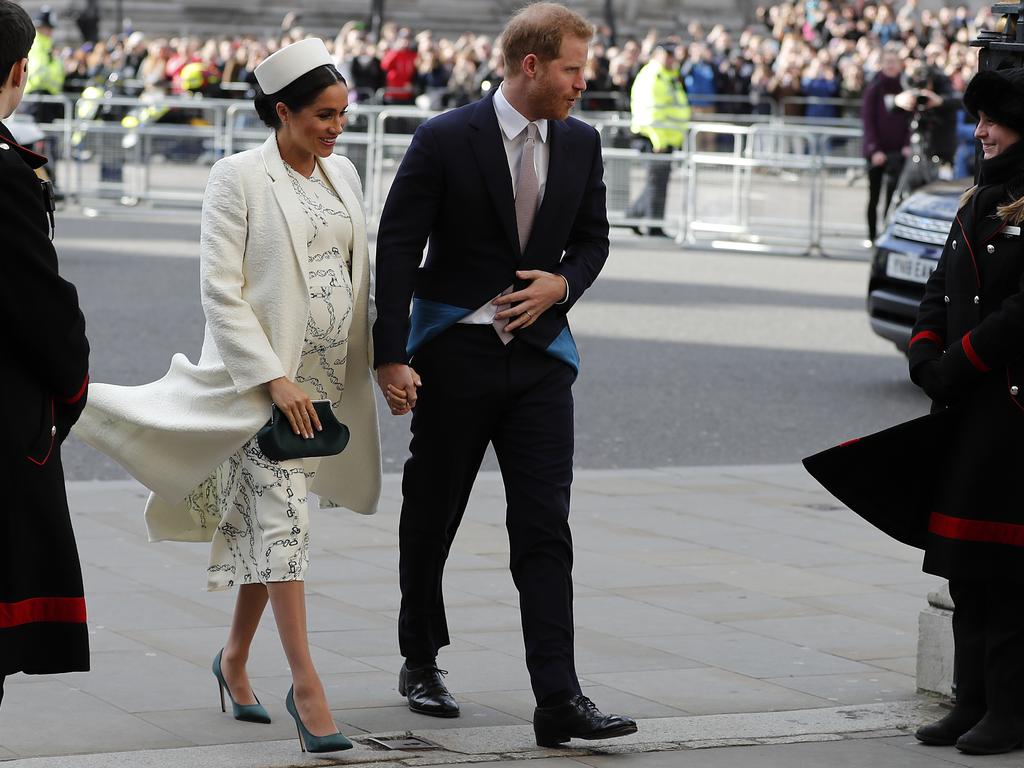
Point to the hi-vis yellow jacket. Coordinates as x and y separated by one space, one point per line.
45 69
660 109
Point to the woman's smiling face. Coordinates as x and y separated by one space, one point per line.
316 127
994 137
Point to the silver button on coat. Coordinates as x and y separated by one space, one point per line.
991 248
954 245
977 299
1014 390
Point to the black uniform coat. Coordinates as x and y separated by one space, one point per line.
953 480
42 389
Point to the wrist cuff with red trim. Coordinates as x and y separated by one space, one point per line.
79 394
961 364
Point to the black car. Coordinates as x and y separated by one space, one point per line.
906 255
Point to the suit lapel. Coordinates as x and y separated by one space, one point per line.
557 170
489 150
281 186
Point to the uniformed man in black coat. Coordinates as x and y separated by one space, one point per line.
43 389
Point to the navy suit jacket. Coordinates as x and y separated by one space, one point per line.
453 193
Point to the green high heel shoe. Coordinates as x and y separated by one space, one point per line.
333 742
248 713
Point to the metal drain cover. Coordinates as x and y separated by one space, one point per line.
406 742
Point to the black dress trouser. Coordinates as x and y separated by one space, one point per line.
890 173
988 636
478 391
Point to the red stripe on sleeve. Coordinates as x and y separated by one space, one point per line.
78 395
976 530
43 609
927 336
976 361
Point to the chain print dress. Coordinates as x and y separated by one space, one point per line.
263 533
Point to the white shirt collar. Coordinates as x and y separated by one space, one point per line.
511 121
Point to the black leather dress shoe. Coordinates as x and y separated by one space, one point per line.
578 718
945 732
425 689
992 736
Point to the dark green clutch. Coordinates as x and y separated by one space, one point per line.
279 443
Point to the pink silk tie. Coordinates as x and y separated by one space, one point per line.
527 192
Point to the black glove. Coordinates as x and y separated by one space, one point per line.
929 377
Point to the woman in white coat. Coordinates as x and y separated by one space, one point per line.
285 290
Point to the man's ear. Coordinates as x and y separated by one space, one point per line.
18 73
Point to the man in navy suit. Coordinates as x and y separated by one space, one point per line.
507 195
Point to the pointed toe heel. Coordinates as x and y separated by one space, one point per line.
333 742
247 713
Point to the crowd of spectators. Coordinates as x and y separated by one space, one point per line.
813 48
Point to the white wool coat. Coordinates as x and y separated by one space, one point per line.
173 434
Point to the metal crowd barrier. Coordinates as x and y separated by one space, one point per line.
740 184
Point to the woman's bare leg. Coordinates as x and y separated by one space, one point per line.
249 605
288 601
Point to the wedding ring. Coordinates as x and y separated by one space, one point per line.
529 314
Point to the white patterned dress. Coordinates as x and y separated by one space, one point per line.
263 534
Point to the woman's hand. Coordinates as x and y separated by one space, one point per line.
296 405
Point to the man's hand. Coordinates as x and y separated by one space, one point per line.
878 158
544 291
399 383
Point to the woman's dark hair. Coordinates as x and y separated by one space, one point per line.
297 95
16 36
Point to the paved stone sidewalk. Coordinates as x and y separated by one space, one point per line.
731 605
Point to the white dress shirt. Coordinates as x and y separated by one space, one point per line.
513 136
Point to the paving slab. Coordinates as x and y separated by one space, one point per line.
731 606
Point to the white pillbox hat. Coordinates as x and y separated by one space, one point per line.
290 63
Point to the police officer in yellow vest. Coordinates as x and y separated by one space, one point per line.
661 116
45 70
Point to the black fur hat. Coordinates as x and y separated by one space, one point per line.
999 93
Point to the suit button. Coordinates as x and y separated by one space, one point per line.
1014 390
954 245
991 248
946 299
53 431
977 299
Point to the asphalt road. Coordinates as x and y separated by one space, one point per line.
689 358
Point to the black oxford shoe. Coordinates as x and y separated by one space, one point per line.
992 736
426 691
945 732
578 718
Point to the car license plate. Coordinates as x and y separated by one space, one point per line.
913 268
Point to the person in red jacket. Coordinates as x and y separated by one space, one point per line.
399 66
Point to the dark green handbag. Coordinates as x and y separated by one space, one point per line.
279 443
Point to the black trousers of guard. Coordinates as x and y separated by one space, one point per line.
478 391
988 636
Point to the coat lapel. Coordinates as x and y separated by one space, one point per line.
489 150
281 185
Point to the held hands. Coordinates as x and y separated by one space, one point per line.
399 383
296 405
545 290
